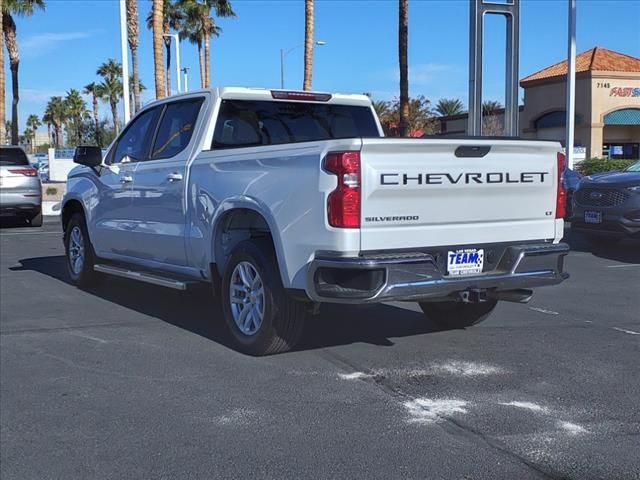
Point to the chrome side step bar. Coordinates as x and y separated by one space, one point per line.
142 276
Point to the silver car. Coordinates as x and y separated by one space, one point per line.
20 188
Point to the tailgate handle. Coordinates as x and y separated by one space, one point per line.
474 151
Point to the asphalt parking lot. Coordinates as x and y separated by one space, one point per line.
136 381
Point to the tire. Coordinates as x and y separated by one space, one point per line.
448 315
75 236
268 322
36 221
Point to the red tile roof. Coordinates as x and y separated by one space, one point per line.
598 59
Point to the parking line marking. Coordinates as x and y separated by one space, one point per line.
624 266
630 332
542 310
28 233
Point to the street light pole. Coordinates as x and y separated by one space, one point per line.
571 85
176 40
125 60
186 85
283 55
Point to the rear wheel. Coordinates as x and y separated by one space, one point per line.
260 316
79 251
458 314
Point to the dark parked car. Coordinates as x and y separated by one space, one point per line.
571 180
608 204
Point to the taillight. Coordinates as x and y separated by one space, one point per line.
343 205
561 198
302 96
27 172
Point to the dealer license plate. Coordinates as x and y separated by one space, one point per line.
592 217
465 262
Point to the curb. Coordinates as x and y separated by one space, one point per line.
50 208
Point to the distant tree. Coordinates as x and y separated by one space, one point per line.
76 112
141 88
10 8
190 28
492 124
111 87
490 106
419 121
33 123
449 106
56 114
383 110
97 92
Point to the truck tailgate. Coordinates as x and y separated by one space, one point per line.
420 193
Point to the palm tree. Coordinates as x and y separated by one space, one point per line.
111 87
158 61
172 20
490 106
191 30
141 88
449 106
20 8
96 91
198 16
132 35
76 110
33 123
56 114
403 40
308 44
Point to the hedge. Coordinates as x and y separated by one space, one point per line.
596 165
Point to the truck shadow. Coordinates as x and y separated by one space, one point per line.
626 250
198 312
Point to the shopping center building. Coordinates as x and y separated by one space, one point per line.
607 105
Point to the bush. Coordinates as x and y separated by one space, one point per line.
597 165
51 191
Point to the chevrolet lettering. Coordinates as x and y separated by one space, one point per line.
461 178
284 200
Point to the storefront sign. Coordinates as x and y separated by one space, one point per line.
624 92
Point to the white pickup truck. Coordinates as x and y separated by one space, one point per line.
285 200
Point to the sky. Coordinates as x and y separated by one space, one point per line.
62 47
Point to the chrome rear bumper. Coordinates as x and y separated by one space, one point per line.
421 277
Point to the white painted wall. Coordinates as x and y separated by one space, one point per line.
59 168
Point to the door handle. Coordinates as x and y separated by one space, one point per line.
174 177
126 179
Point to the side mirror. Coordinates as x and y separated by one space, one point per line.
88 155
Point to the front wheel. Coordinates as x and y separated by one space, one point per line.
260 316
80 256
457 314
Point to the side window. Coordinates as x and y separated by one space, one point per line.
176 128
134 140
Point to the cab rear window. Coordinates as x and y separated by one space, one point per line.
13 156
243 123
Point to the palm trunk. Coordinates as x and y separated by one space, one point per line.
308 44
132 33
167 46
136 79
207 73
9 28
201 59
96 121
2 98
58 129
114 113
50 140
158 61
403 40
